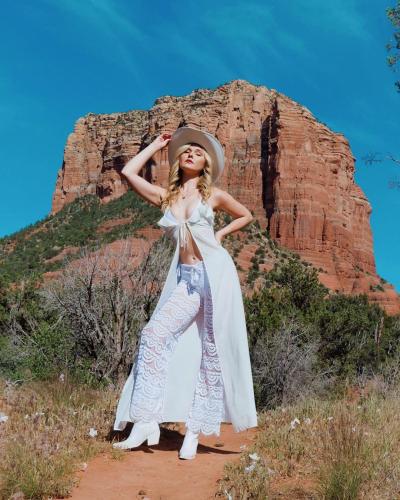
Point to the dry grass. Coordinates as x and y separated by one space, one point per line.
343 449
340 449
46 437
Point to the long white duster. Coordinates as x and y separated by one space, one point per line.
229 327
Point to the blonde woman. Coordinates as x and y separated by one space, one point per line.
193 362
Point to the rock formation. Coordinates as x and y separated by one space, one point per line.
292 171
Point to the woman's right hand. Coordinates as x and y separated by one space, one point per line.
161 141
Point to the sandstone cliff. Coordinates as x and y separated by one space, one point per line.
292 171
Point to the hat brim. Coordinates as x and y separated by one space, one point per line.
186 135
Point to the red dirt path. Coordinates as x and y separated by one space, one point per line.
156 472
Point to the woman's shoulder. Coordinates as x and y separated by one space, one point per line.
218 196
213 198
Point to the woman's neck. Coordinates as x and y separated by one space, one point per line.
189 185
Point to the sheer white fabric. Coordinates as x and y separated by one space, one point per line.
189 301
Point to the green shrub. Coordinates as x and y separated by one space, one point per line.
34 343
348 335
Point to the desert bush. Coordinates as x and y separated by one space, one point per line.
305 292
284 363
289 290
105 300
34 344
353 336
356 336
85 323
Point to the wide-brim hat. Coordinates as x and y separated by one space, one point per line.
185 135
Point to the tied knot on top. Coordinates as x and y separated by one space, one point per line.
202 216
184 227
183 234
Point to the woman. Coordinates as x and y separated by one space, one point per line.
193 361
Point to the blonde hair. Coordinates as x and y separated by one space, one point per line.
204 184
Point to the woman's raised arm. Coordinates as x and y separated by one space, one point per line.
147 190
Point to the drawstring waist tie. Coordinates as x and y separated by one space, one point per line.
193 274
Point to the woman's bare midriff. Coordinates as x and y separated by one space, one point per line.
190 254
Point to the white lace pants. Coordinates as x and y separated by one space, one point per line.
189 301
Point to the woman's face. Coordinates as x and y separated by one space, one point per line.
192 159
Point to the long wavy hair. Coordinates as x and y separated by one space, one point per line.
175 178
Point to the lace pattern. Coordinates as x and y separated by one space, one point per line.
190 300
205 414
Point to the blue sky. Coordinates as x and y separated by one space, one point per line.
62 59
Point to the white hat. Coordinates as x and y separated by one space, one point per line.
186 135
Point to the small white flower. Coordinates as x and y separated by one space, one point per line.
307 420
3 417
294 423
92 432
26 417
353 429
359 407
330 418
38 414
254 456
61 377
228 495
250 467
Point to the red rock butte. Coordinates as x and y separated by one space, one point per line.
291 170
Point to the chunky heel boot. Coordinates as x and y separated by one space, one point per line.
140 432
154 438
189 446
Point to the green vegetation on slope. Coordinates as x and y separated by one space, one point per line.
25 252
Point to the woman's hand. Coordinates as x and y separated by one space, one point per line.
219 236
161 141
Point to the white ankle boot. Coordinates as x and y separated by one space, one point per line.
189 446
140 432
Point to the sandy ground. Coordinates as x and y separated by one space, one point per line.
157 473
